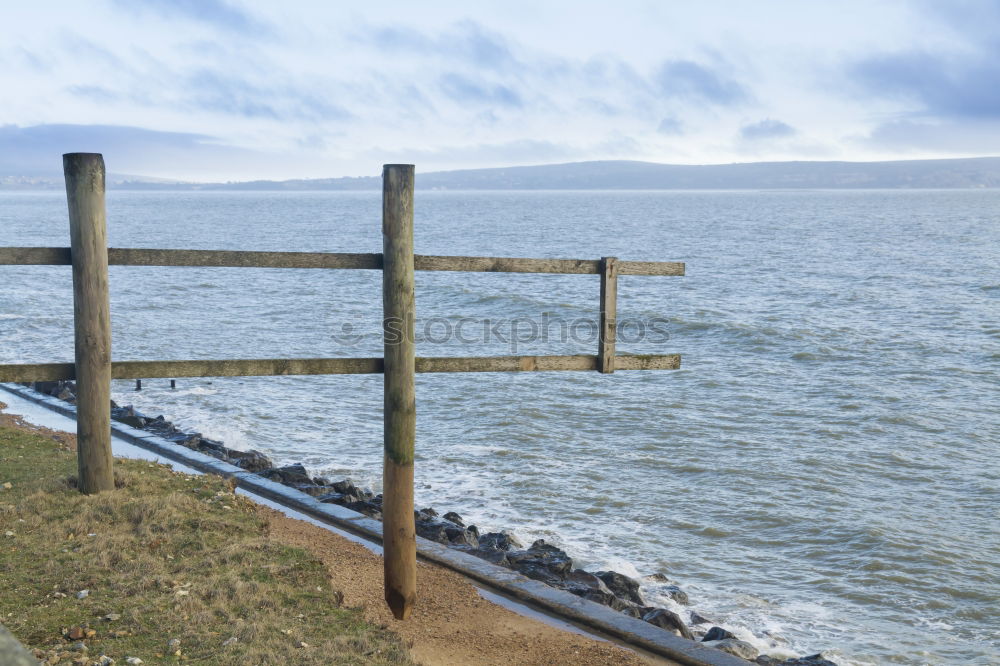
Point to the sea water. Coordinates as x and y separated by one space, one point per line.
822 473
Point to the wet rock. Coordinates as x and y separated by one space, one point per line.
295 474
542 562
672 622
497 557
811 660
587 585
426 514
365 507
633 611
433 530
216 448
698 618
675 593
453 517
129 416
190 440
717 634
289 474
332 498
735 647
312 490
623 586
345 487
461 537
499 541
657 578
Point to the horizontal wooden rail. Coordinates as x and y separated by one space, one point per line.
60 256
46 372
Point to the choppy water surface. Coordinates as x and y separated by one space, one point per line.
822 472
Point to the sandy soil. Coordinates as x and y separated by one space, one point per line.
451 625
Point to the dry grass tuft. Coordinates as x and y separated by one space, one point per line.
172 556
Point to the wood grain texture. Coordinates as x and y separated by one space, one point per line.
245 368
608 315
651 268
43 372
84 174
38 372
35 256
400 414
60 256
242 259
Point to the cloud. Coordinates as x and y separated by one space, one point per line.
670 126
979 136
465 90
38 150
466 41
212 12
957 86
766 129
938 82
688 80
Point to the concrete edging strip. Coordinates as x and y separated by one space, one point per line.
533 593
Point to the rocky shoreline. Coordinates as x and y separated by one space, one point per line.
540 561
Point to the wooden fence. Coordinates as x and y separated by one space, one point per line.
93 370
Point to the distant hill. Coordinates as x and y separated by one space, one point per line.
982 172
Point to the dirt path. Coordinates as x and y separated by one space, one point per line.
451 625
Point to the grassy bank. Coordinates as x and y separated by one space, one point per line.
166 557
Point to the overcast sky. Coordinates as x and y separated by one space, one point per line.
240 89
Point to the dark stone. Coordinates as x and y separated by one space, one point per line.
735 647
429 512
717 634
454 517
664 619
633 611
129 416
377 499
252 460
435 531
657 578
190 440
497 557
45 387
587 585
675 593
474 530
365 507
697 618
542 562
461 536
811 660
345 487
312 489
331 498
623 586
290 474
498 541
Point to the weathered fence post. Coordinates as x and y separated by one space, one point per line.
91 319
398 530
609 314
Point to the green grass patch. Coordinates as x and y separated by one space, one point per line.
165 556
